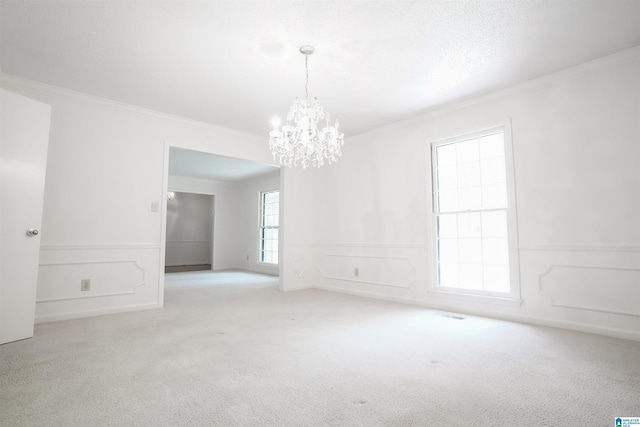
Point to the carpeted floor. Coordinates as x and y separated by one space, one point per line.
229 349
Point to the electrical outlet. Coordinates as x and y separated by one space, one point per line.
356 272
85 285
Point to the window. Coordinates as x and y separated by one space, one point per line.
474 217
269 221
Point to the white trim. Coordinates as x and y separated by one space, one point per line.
434 305
504 127
188 241
481 298
367 282
361 245
493 95
90 247
163 225
471 132
577 248
299 261
45 318
282 230
587 267
89 295
370 256
368 294
106 261
584 307
261 204
69 298
599 310
10 81
296 288
168 144
350 279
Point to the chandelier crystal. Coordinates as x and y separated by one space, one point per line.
307 139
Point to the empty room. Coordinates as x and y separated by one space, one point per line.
320 213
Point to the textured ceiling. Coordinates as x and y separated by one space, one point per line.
236 64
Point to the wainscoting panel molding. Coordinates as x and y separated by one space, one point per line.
299 265
576 248
579 287
89 247
123 277
378 270
603 289
120 277
361 245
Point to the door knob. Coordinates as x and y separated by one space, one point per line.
32 232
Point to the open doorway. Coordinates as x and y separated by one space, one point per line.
189 245
235 188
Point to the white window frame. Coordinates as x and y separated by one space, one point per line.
261 227
514 295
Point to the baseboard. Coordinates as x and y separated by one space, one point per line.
298 288
271 271
187 264
92 313
572 326
246 270
365 294
561 324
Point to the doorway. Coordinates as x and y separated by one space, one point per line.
189 244
235 185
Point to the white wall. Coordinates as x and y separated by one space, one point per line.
576 139
237 216
577 155
225 223
249 217
189 239
105 168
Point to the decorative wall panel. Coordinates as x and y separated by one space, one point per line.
60 281
605 289
377 270
122 278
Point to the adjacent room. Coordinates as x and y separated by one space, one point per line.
320 213
216 214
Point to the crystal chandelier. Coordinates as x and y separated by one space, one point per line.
301 141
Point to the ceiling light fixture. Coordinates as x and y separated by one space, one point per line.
301 141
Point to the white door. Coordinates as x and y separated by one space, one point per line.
24 139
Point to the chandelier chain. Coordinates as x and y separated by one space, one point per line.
306 82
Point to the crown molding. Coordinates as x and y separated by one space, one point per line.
609 61
8 81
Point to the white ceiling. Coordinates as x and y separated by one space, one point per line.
195 164
236 64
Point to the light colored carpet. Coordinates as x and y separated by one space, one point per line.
229 349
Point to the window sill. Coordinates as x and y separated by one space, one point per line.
475 298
